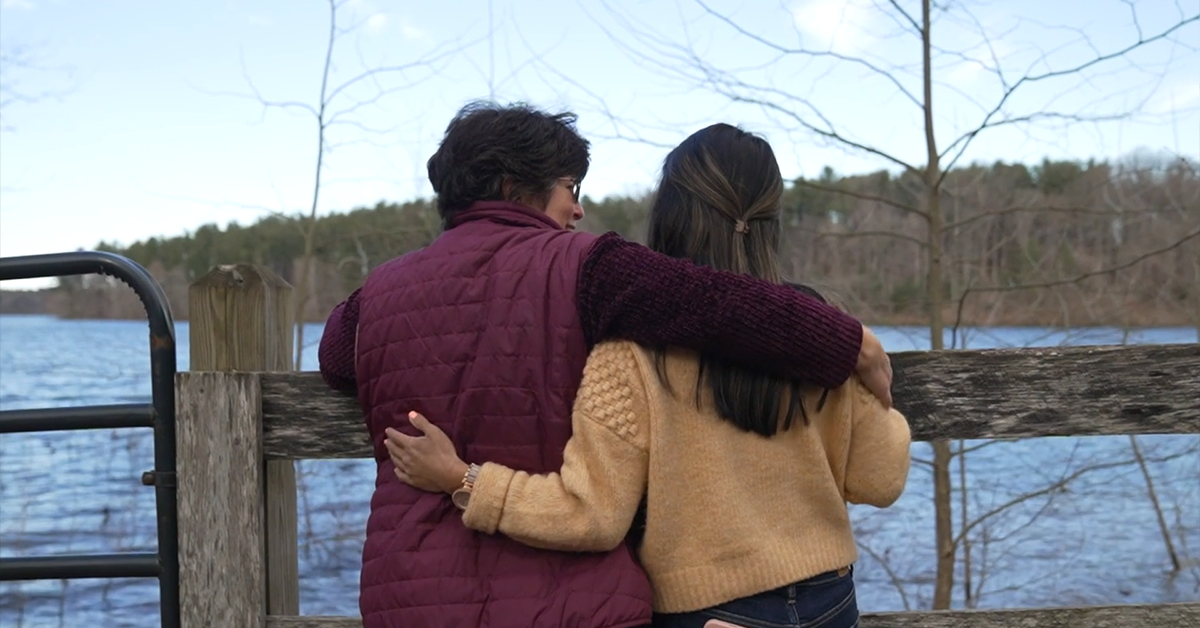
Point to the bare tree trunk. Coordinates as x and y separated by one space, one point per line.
326 114
943 511
1162 522
964 521
1196 313
304 281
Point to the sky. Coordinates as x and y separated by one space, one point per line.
129 119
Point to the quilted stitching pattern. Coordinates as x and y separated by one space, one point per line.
480 332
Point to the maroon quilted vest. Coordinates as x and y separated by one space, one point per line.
480 332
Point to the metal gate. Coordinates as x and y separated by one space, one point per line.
159 414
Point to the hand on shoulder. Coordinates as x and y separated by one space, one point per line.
874 367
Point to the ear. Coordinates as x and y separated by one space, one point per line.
506 188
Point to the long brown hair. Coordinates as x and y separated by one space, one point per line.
719 204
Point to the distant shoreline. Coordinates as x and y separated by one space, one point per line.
50 302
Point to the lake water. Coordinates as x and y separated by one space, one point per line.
1094 540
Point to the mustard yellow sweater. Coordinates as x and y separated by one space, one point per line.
729 513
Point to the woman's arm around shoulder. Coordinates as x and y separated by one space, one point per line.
879 453
590 503
628 291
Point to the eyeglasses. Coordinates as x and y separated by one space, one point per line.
574 186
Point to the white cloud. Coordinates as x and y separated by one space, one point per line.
837 25
1177 97
21 5
377 22
410 31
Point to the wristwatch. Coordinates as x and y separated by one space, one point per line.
462 495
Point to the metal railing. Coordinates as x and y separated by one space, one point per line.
159 414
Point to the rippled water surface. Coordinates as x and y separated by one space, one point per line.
1082 530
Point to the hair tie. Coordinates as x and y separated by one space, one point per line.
741 227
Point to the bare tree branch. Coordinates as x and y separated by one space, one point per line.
865 234
1078 278
961 143
912 22
441 53
681 61
882 73
1055 487
1021 209
896 580
862 196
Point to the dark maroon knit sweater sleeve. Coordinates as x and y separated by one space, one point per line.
336 352
628 291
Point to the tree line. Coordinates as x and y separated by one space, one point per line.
1053 244
1056 243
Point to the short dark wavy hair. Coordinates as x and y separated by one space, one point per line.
487 142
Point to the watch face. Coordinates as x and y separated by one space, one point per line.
460 498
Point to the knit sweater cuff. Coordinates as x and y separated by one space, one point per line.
487 498
629 292
335 354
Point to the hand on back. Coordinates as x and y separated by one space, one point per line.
428 462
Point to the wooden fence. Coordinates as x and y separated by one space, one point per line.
243 419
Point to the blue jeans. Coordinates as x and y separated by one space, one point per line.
823 601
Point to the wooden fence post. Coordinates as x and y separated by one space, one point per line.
220 475
241 319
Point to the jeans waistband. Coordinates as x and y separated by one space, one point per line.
789 590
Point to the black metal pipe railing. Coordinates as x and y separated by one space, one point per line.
130 565
162 415
80 418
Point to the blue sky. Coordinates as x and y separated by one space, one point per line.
137 118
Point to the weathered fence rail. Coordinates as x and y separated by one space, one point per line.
1000 393
239 430
1140 616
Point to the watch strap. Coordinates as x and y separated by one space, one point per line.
462 495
